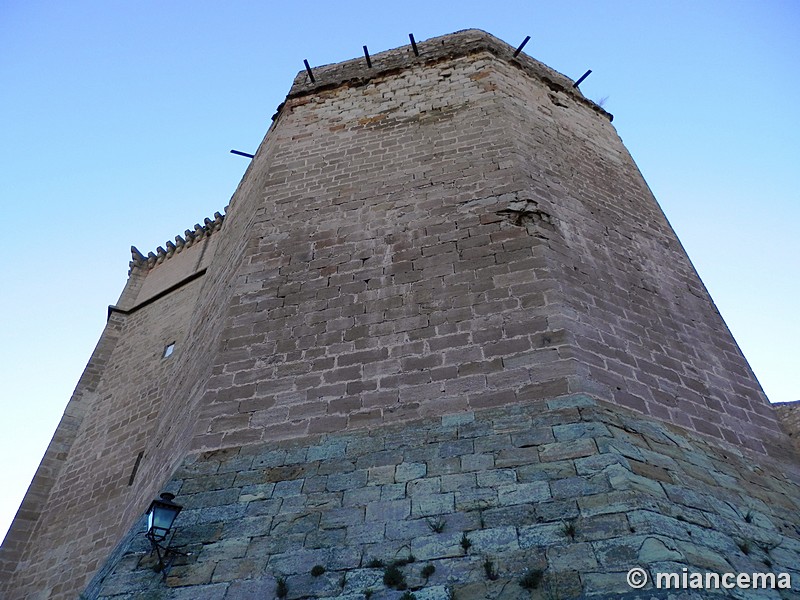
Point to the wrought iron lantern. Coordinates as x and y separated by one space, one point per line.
160 517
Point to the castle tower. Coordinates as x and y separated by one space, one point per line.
443 316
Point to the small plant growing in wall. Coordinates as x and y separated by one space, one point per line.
531 580
428 570
568 529
466 543
317 570
744 546
375 563
393 577
490 569
281 589
402 562
408 596
437 525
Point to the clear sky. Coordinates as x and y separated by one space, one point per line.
117 119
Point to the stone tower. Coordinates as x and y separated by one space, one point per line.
442 317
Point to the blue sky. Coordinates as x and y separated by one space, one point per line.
117 119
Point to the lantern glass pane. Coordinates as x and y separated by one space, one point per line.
163 516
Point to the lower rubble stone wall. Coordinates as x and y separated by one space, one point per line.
563 496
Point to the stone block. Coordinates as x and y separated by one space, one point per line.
299 561
408 529
475 499
394 491
461 481
380 475
520 514
497 477
515 457
437 545
364 533
263 507
576 487
603 527
655 549
225 549
494 540
327 450
359 580
338 482
533 437
574 431
592 465
567 450
237 569
424 505
544 534
523 493
361 496
326 538
409 471
251 589
456 448
477 462
284 489
458 419
341 517
615 502
388 511
429 485
618 552
621 479
195 574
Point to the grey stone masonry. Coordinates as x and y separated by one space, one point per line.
439 504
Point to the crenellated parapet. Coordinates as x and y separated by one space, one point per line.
187 240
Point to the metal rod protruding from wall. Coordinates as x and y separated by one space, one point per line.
242 153
584 76
413 44
308 70
366 55
521 46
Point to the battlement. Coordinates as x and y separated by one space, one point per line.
443 48
189 238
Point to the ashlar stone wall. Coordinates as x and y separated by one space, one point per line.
455 231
